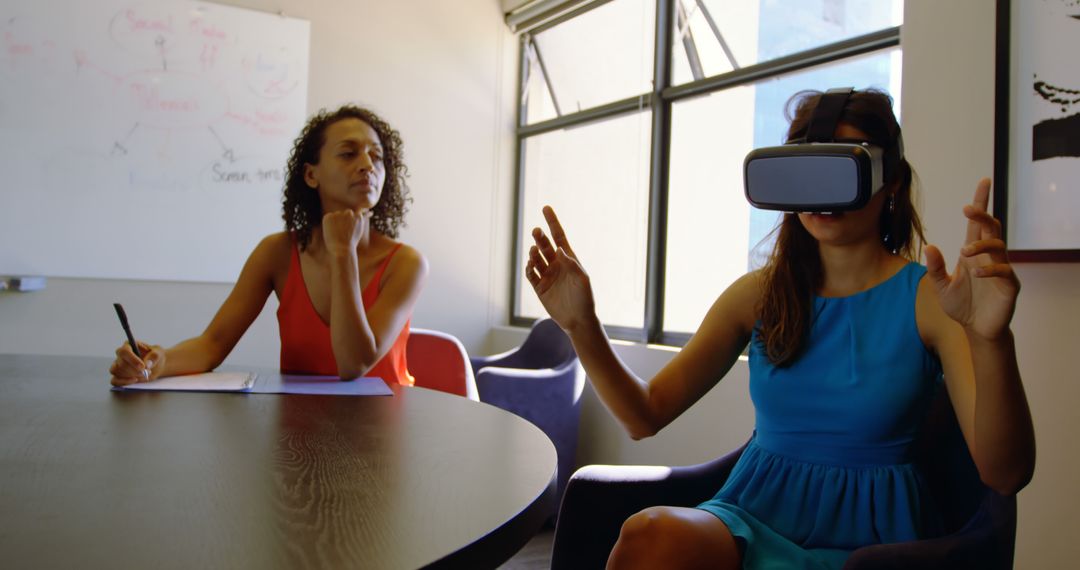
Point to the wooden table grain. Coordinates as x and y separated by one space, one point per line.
91 478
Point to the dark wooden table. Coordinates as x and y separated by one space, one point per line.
91 478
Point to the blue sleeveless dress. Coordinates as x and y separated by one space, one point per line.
828 468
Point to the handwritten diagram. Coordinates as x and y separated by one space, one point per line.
163 104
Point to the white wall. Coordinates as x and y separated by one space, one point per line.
511 5
443 73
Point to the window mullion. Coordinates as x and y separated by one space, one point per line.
516 258
658 179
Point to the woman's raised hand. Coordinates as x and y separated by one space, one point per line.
981 292
342 230
129 369
558 279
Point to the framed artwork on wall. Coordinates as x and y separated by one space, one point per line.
1037 128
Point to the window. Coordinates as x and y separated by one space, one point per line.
596 176
598 57
635 118
719 36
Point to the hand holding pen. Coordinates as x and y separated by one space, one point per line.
135 361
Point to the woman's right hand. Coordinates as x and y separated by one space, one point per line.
558 278
343 229
129 369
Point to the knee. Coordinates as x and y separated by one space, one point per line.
643 524
674 537
645 537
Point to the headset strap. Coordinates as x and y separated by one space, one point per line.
825 118
893 155
826 115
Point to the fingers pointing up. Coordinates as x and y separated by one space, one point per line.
557 232
978 218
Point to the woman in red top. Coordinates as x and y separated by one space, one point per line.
346 288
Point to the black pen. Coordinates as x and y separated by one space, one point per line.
127 329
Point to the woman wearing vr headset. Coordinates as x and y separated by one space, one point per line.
850 338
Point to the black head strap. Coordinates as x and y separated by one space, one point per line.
826 115
893 155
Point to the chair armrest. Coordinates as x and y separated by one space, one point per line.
550 390
479 362
986 541
512 359
599 498
503 373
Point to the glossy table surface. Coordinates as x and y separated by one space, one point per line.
92 478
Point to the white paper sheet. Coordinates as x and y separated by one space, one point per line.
206 382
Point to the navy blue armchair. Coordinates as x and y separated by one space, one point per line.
540 381
979 524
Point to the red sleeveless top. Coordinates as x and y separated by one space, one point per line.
305 338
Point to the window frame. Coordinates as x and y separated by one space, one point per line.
659 101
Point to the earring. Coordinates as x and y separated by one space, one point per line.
887 239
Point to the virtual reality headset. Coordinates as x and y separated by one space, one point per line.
819 173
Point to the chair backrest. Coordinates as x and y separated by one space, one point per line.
548 339
547 346
943 457
438 361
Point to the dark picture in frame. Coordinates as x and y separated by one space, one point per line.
1037 128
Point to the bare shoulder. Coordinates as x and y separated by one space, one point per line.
274 249
737 306
280 241
266 265
747 291
407 264
409 256
750 283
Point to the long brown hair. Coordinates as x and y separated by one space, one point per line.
301 209
793 272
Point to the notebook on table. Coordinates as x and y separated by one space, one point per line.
205 382
274 383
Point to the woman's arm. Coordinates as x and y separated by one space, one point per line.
642 407
966 319
207 351
361 337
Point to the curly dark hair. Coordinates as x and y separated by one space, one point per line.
301 208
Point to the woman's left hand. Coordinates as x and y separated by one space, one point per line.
981 292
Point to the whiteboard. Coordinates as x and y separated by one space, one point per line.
144 140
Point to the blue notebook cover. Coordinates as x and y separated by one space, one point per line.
321 385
